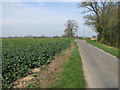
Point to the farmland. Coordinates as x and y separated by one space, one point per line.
21 55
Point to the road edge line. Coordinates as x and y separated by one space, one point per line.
83 67
103 51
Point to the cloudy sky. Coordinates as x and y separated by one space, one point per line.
41 18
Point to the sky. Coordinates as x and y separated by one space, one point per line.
41 18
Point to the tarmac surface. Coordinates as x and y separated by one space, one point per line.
100 68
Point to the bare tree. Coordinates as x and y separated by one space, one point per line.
71 28
97 18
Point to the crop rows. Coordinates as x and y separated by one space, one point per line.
20 55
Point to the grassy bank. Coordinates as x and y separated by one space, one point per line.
109 49
72 73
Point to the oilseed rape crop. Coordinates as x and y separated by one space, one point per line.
22 54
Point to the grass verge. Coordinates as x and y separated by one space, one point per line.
72 72
109 49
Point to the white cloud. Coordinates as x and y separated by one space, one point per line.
24 19
58 0
0 19
33 15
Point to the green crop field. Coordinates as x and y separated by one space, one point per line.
22 54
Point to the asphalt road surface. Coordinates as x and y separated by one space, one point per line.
100 68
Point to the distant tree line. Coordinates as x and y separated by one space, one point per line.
28 36
103 17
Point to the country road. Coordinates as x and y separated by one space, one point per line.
100 68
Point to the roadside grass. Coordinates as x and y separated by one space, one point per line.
72 72
109 49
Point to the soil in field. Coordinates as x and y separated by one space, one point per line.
45 76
